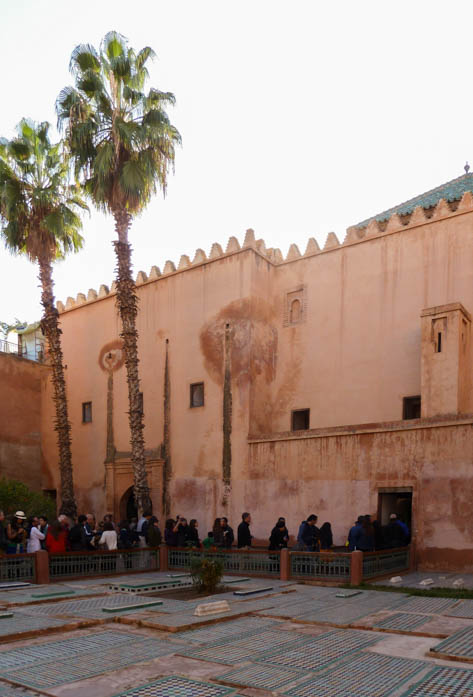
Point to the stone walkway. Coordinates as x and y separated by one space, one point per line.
83 639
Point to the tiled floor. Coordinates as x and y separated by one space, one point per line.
320 651
294 655
249 647
444 682
402 621
459 644
175 686
54 663
363 675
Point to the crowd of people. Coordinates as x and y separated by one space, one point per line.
21 535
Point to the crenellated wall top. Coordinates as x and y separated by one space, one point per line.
354 235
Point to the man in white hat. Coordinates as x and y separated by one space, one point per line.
16 534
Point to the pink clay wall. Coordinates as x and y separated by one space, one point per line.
352 359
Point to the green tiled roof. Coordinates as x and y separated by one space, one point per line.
451 191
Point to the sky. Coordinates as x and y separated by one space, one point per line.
297 118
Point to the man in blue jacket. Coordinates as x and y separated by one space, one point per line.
308 535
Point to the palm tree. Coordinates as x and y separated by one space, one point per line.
39 217
122 145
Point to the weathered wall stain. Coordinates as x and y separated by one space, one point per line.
227 416
166 449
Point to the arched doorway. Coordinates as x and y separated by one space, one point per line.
128 507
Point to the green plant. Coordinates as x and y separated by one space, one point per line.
16 496
206 573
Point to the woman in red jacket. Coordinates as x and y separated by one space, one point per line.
56 538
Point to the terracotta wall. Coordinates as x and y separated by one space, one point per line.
337 474
351 358
20 419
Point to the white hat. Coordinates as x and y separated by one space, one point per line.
20 514
393 516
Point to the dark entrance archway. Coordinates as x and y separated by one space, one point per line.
128 508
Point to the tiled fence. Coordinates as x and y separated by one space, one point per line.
73 564
248 562
343 567
18 567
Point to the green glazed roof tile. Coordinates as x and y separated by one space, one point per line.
451 191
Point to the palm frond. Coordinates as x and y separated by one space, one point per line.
84 57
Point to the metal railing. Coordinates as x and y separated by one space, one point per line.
33 353
249 562
384 562
18 567
320 565
103 563
9 347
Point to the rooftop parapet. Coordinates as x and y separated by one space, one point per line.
397 222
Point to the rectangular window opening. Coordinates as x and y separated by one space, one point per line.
86 412
411 407
300 420
140 401
439 342
197 394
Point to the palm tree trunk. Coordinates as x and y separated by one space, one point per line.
52 332
127 303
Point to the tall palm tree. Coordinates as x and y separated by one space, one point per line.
39 217
123 145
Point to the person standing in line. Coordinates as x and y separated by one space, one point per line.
279 535
228 535
144 528
326 537
170 537
307 536
217 532
193 533
77 541
153 533
35 538
182 532
56 539
354 534
3 534
16 534
109 537
43 526
243 534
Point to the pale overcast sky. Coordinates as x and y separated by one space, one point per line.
297 118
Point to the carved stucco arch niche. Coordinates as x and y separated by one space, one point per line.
119 479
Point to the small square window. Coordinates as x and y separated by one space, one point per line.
86 412
197 394
300 420
411 407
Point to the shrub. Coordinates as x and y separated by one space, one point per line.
206 573
16 496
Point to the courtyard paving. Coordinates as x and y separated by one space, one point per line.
111 638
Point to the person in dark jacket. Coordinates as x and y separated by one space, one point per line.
193 534
279 535
227 532
127 538
153 533
182 532
363 535
170 537
308 535
218 532
354 534
394 534
326 537
3 533
77 539
243 533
